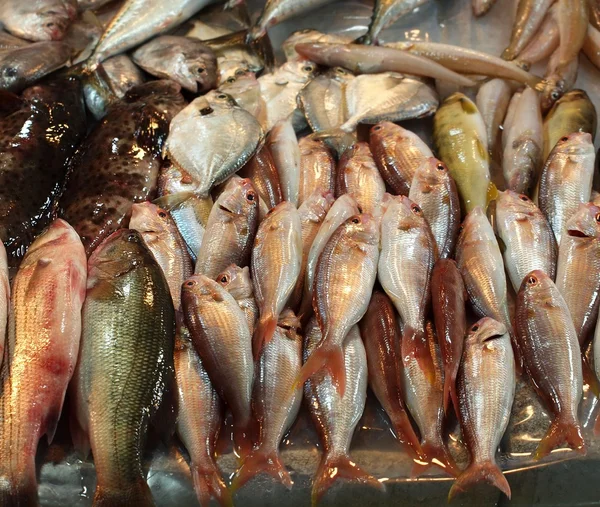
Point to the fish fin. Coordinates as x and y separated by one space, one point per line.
480 472
414 344
332 468
589 376
137 494
80 437
242 440
51 422
562 429
258 462
264 49
152 130
263 333
450 392
436 455
330 358
208 484
406 433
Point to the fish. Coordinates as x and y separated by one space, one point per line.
354 243
591 45
361 59
237 282
128 324
549 343
566 179
572 18
558 79
309 35
380 332
481 7
573 112
544 42
317 168
38 20
221 337
224 136
275 402
230 230
106 177
530 15
448 302
91 4
522 158
460 137
186 61
40 355
336 416
513 105
434 191
357 174
283 145
4 298
82 36
492 101
594 13
275 266
9 42
22 67
486 386
527 237
398 153
386 13
33 161
245 90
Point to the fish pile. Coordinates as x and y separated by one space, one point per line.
190 230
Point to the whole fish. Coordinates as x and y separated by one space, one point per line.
572 18
527 237
386 13
230 230
41 352
24 66
448 301
434 191
275 267
33 162
201 141
237 282
347 265
460 138
530 14
222 339
38 20
544 43
566 180
522 158
186 61
317 168
106 176
492 101
558 79
552 355
486 386
284 148
398 153
380 332
128 325
4 298
275 401
336 416
481 7
245 90
358 175
309 35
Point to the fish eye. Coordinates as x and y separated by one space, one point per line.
240 72
475 327
597 217
200 70
524 198
224 279
230 80
131 237
190 283
221 96
555 95
376 128
440 167
532 280
339 70
162 214
564 139
250 196
356 220
308 68
9 71
415 208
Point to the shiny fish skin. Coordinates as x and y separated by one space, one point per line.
237 282
275 267
572 18
386 13
230 230
549 344
284 148
4 298
591 45
486 385
558 79
245 90
317 168
492 101
530 15
41 352
38 20
544 43
434 190
9 42
309 35
566 179
527 237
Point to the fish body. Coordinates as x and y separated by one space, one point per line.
317 168
530 15
492 101
284 148
386 13
38 20
245 90
4 298
309 35
572 20
237 282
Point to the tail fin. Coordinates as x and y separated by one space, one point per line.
258 462
137 494
208 483
263 333
414 344
326 356
19 494
589 376
436 455
480 472
335 467
450 392
242 440
406 433
562 429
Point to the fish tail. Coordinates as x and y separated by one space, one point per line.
475 473
242 439
406 433
137 494
20 493
589 376
209 484
333 467
263 333
562 429
450 392
414 344
436 455
330 358
257 462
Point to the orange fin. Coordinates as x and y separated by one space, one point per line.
330 358
258 462
480 472
263 333
436 455
335 467
406 433
589 376
450 391
242 440
137 494
209 484
414 344
561 430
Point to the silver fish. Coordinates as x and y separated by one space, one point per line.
317 168
38 20
309 35
237 282
283 145
245 90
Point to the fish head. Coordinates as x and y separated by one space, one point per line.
340 74
241 81
460 102
576 143
50 21
147 217
552 90
535 286
239 198
405 214
58 235
432 172
218 99
200 290
362 229
174 180
197 72
517 206
290 324
584 225
296 71
486 330
472 222
12 73
318 204
236 281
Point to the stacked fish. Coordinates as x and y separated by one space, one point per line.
257 245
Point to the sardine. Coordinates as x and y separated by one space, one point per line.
237 282
38 20
283 145
317 168
386 13
492 101
530 15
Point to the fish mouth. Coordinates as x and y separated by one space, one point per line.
494 336
574 233
225 208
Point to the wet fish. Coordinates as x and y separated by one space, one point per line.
544 43
317 168
558 79
106 176
336 416
41 352
275 401
200 142
9 42
4 298
486 387
128 325
572 18
275 267
530 14
245 90
549 343
309 35
492 101
386 13
481 7
222 339
434 191
527 237
591 45
594 13
347 265
186 61
566 180
237 282
513 105
284 148
38 20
